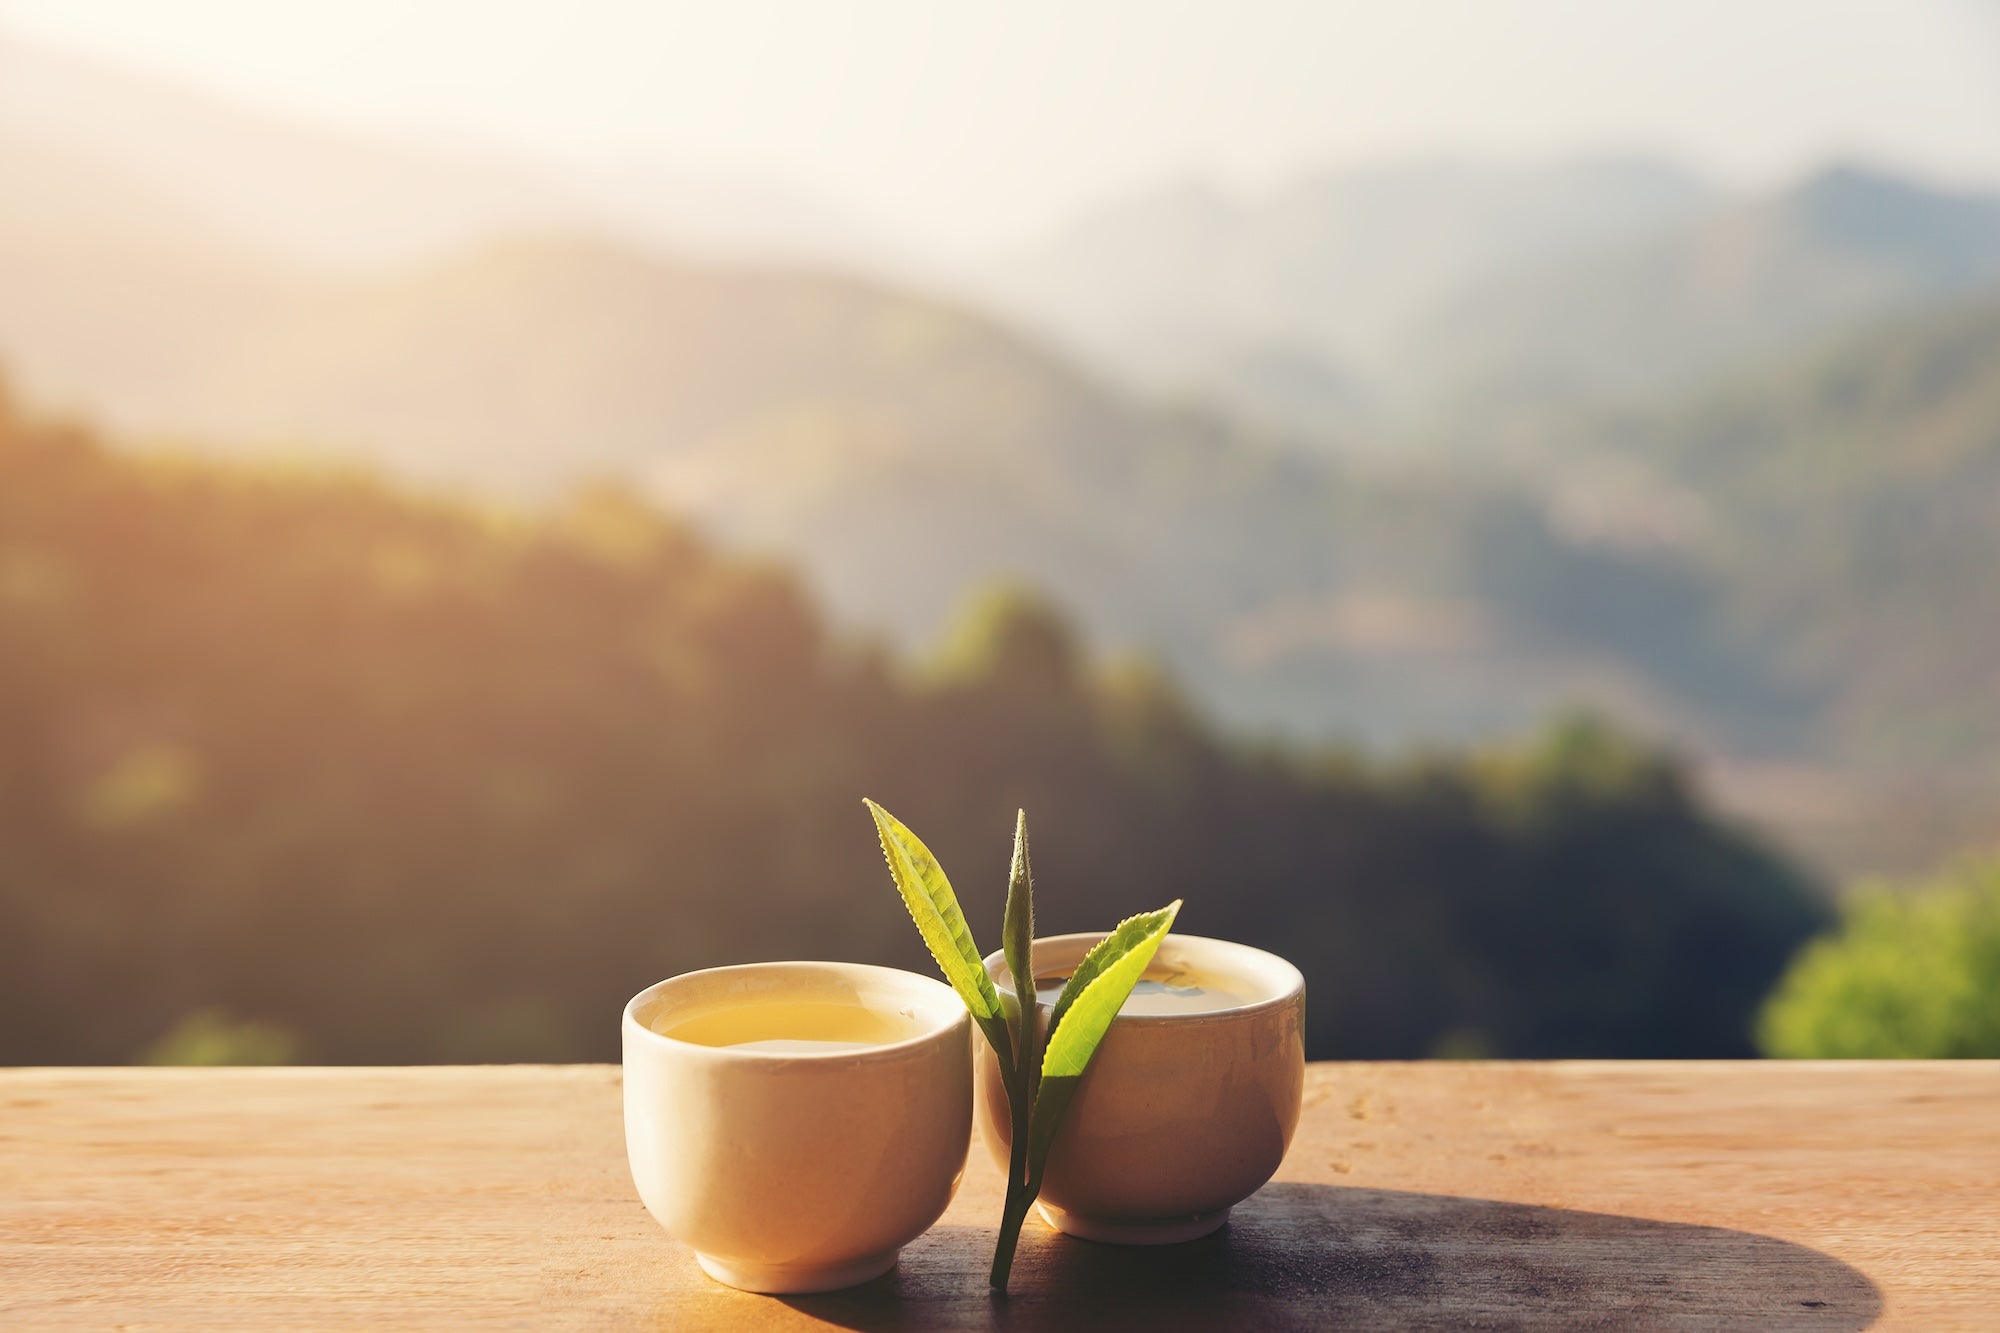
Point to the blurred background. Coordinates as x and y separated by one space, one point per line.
1498 504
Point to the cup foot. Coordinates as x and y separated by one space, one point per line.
1166 1231
796 1280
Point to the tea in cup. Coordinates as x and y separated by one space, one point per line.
1190 1103
797 1123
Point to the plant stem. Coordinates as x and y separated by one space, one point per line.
1020 1190
1020 1197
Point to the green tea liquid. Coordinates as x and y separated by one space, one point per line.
1164 991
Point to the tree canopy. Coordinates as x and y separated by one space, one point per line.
292 764
1913 973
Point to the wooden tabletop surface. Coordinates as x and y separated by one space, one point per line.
1701 1196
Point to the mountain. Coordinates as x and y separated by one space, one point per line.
1857 496
904 448
1335 271
532 359
1713 298
898 448
1362 307
1847 508
795 409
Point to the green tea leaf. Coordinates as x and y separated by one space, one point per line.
1038 1091
934 907
1089 1002
1132 933
1018 940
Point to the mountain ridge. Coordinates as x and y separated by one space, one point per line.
1390 302
1761 280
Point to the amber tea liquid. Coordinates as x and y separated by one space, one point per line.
795 1027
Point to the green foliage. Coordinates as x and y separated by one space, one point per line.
415 782
1078 1022
1119 957
1024 1086
211 1037
1017 931
934 907
1090 999
1912 973
1008 638
1579 760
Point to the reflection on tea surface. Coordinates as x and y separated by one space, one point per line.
1165 990
795 1027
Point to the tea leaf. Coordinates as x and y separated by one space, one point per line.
1038 1091
1132 933
1018 940
1089 1002
934 907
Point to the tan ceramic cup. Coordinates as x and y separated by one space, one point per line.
797 1173
1180 1116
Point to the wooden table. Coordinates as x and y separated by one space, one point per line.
1821 1196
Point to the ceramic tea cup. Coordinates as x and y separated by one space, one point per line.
788 1158
1181 1115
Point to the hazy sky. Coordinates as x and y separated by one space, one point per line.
970 124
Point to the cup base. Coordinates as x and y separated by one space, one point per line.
794 1279
1166 1231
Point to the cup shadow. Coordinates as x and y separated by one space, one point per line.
1315 1256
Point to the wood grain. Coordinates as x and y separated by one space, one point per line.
1700 1196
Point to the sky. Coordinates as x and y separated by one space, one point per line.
973 125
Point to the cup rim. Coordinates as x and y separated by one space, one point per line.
960 1021
1294 981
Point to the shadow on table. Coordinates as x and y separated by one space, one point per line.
1310 1256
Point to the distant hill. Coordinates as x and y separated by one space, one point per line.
1427 293
900 449
532 360
1179 286
1843 507
1858 502
1840 251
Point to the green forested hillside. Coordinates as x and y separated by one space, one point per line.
408 780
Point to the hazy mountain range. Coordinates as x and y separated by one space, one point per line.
1361 300
900 449
1189 284
1723 466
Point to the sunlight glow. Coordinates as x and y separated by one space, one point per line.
965 127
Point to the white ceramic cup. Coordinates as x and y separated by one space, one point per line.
1180 1116
797 1172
